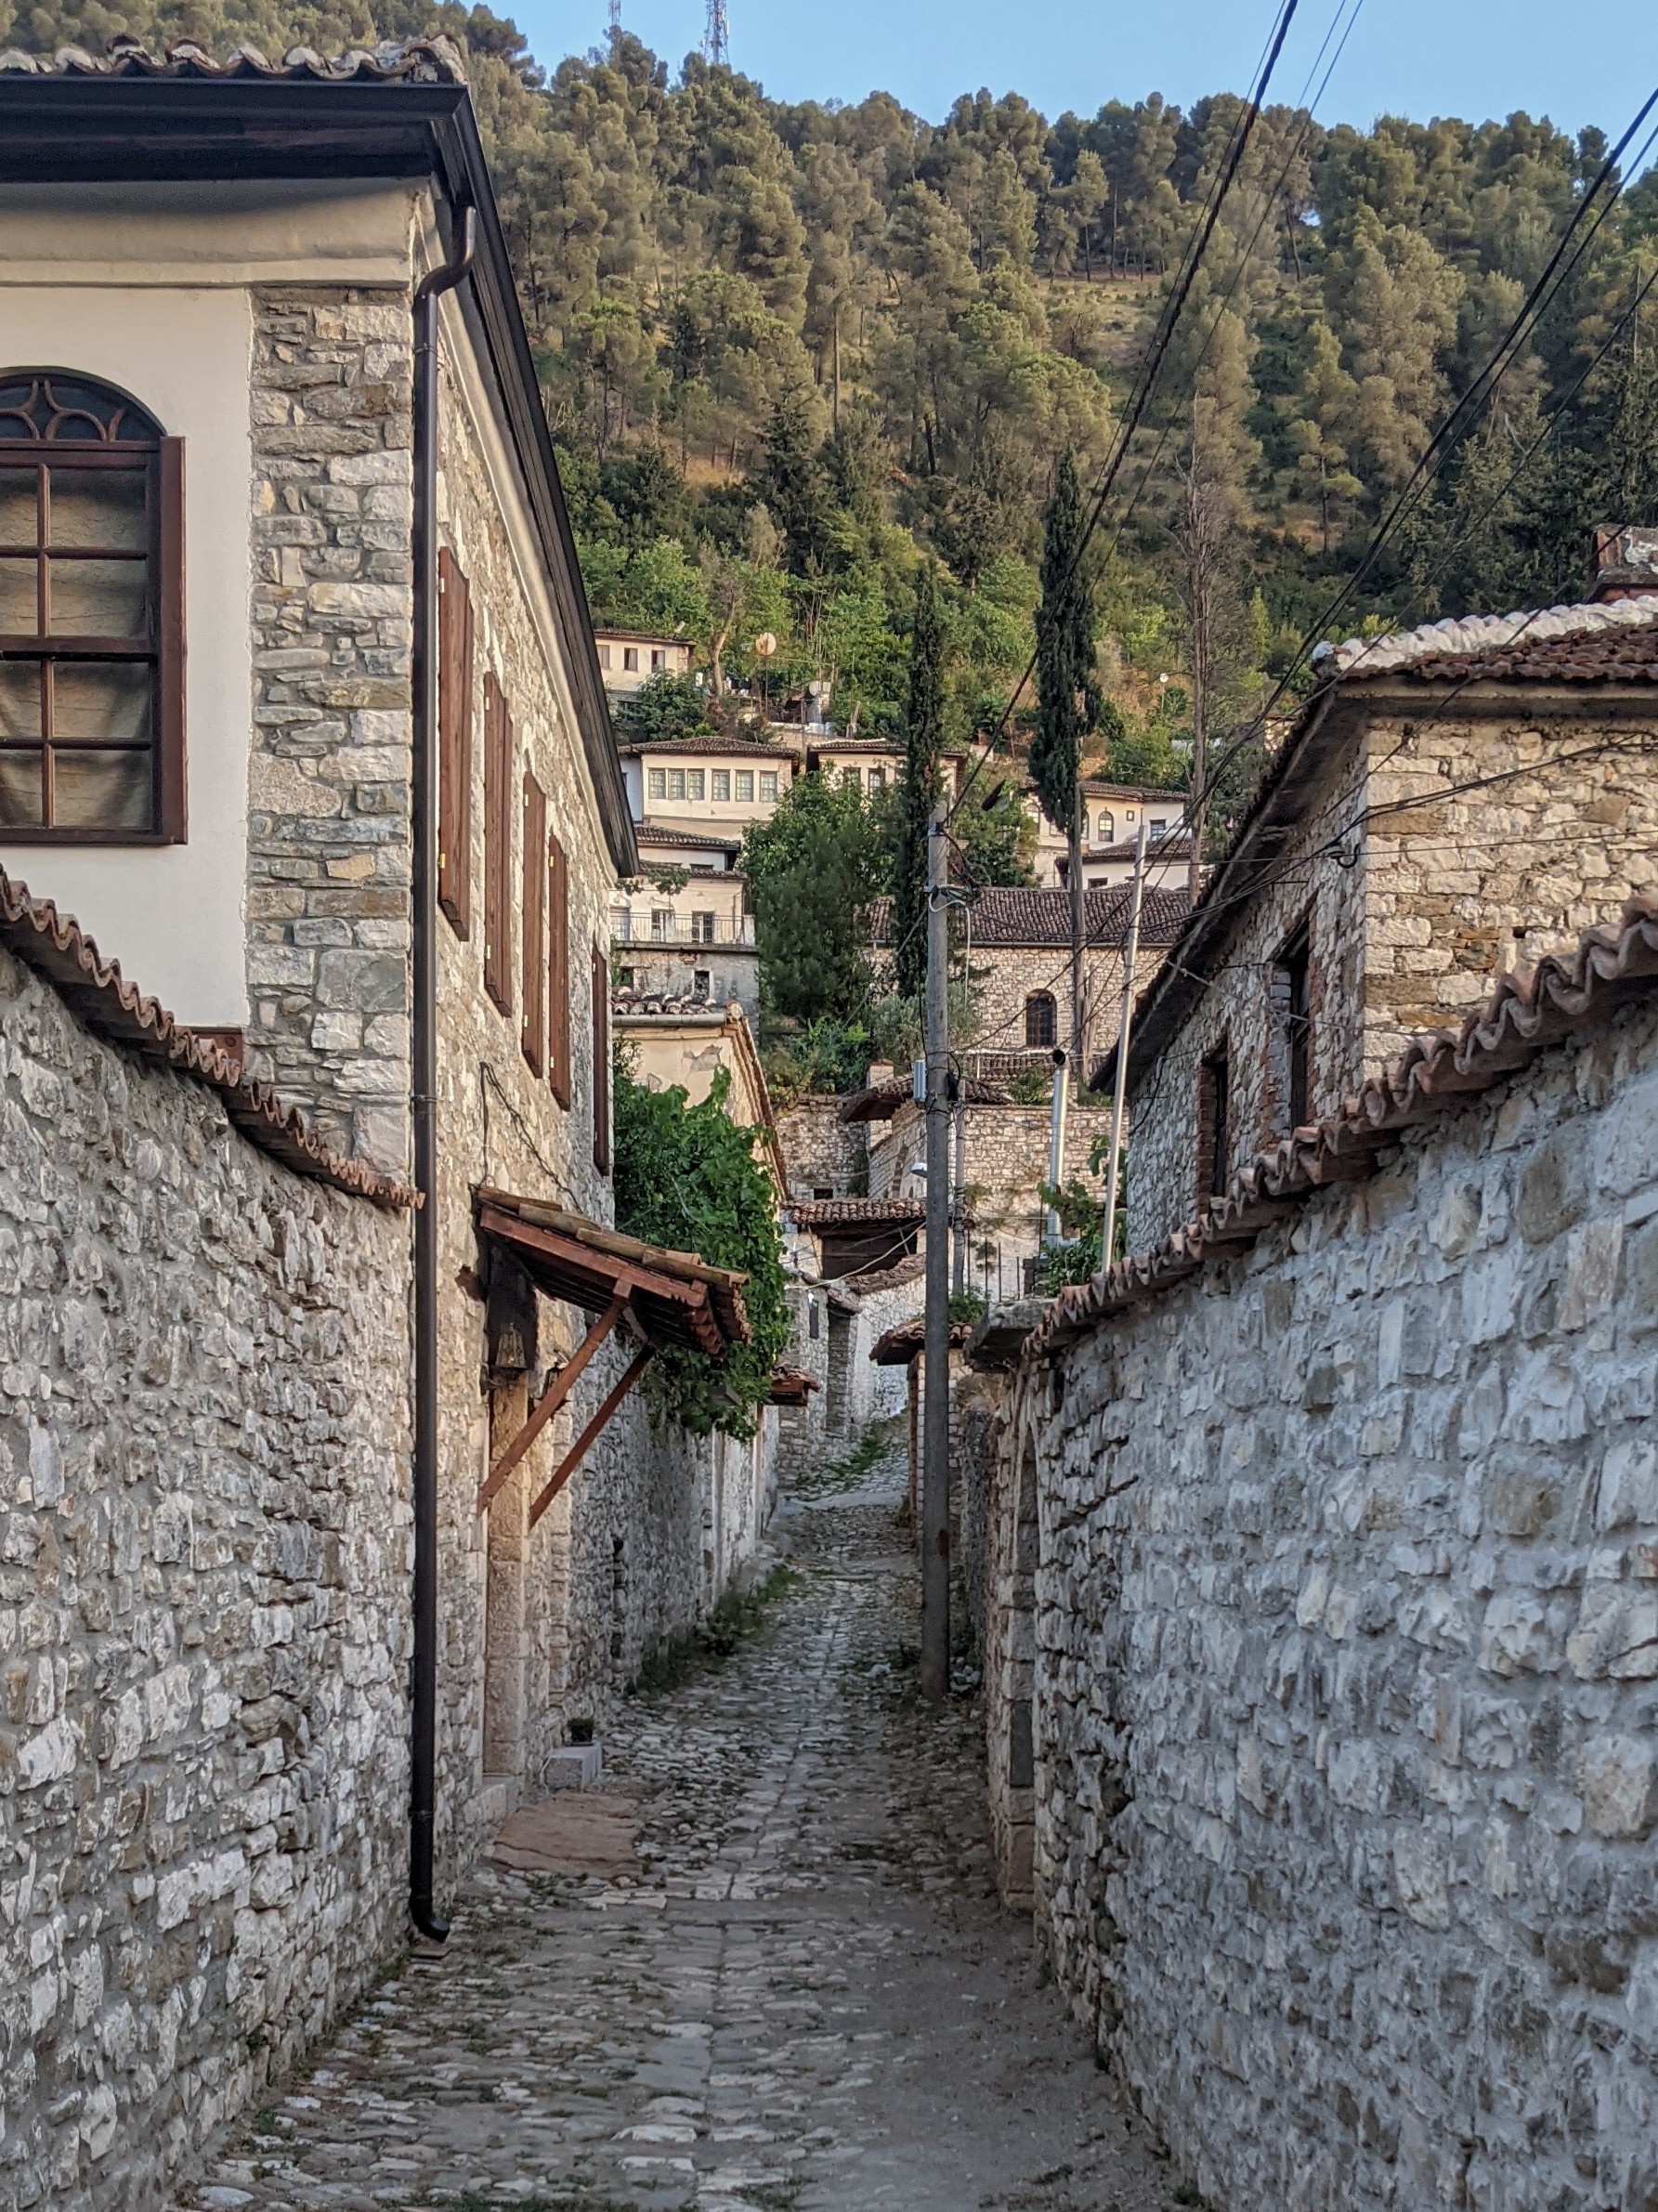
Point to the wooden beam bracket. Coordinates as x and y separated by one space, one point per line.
589 1437
554 1396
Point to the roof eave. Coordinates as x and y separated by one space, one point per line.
122 128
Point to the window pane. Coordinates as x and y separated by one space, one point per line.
19 700
101 790
744 783
878 780
20 788
659 783
20 609
18 507
722 782
768 785
676 783
693 783
109 699
102 507
98 598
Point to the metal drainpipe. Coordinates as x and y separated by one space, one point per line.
423 1748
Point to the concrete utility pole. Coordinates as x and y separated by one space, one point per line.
935 1408
1121 1090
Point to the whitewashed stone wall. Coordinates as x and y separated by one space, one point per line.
1345 1672
205 1554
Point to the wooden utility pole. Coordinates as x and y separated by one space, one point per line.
935 1406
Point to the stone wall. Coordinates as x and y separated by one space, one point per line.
328 777
821 1152
205 1557
1344 1643
801 1429
1005 976
1552 827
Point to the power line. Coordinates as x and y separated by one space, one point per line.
1150 366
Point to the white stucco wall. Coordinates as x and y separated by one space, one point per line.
147 286
172 915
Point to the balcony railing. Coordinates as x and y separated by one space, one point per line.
693 929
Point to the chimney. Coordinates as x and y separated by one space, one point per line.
1622 562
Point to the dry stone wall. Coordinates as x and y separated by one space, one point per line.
1343 1637
205 1553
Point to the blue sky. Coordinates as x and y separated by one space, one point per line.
1419 58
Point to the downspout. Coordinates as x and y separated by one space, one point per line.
422 1747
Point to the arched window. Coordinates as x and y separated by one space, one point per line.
91 616
1042 1018
1108 827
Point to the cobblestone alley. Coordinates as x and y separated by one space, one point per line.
800 1992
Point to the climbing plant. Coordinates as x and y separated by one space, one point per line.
687 1177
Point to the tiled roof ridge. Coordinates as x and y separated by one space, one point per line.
888 1278
1483 633
809 1213
668 1002
56 946
1526 1012
433 60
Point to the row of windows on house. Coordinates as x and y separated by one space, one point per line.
538 947
712 783
1290 1069
1104 827
631 664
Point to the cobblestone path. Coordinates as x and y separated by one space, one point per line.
807 1998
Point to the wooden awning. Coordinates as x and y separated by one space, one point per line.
673 1298
663 1299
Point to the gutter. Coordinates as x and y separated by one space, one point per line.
423 1747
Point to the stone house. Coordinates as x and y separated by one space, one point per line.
1016 945
1111 817
687 1042
302 716
681 928
1446 799
1320 1633
628 658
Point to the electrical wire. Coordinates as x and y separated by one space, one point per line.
1151 364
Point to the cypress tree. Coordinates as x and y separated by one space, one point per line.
1067 696
923 740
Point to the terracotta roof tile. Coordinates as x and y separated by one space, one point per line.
839 1213
412 61
94 990
1597 640
896 1277
881 1102
1526 1013
902 1344
1009 917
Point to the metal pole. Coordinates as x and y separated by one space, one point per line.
1120 1092
1056 1140
936 1411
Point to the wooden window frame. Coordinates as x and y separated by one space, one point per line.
498 845
1214 1126
1292 1027
601 1059
161 650
532 1033
1036 999
558 972
454 743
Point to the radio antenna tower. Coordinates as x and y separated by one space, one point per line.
717 42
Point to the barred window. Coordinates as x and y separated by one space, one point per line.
91 616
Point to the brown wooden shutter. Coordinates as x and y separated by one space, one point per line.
601 1059
498 845
171 810
533 1036
558 971
454 743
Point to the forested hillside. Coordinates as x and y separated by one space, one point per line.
788 348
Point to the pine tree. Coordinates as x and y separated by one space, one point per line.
1067 695
923 740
